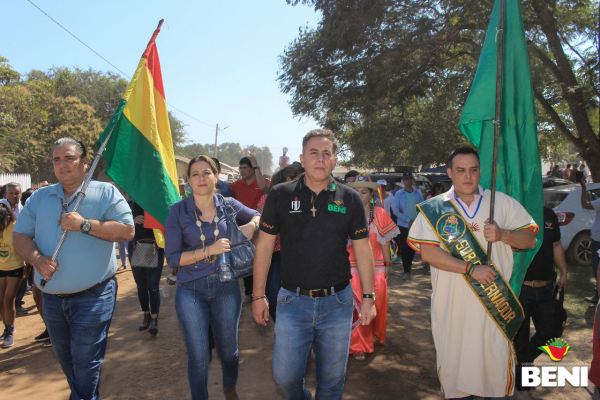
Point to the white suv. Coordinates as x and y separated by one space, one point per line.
575 222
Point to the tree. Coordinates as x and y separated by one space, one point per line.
229 153
411 63
32 118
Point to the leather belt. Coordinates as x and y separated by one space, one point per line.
69 295
316 293
537 284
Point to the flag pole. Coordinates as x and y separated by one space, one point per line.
78 200
499 39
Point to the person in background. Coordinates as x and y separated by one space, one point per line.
381 231
290 173
284 160
12 197
11 274
556 171
436 190
388 198
146 279
248 191
350 176
594 234
405 209
196 234
538 299
12 192
566 174
573 173
223 186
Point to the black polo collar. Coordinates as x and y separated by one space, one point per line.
331 185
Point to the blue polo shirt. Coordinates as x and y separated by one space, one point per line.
84 260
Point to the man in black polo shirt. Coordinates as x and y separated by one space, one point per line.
315 217
537 296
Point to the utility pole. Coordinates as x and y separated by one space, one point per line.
216 135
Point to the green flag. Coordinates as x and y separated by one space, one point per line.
519 171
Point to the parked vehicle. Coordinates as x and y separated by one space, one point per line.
551 181
575 222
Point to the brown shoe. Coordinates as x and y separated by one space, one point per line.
230 394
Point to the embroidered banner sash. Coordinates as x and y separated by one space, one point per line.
456 236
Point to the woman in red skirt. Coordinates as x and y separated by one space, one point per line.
382 231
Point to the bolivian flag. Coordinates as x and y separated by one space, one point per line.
139 154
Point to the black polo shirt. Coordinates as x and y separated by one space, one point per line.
542 266
313 249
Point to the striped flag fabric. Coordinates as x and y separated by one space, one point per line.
139 154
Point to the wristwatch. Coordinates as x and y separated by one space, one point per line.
256 225
369 296
86 226
257 167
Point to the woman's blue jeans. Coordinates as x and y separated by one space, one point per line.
147 281
200 303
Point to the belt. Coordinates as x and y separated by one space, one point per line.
537 284
69 295
315 293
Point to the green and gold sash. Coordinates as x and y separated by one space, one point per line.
456 236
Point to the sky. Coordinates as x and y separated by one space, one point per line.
219 59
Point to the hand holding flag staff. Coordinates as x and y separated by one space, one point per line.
138 147
502 124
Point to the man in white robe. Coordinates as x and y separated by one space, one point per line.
474 357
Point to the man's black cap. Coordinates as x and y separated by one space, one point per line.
407 174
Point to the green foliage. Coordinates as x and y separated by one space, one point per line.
390 76
229 153
40 107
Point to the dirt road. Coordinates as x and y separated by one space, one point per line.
139 366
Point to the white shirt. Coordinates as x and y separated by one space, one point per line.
472 208
16 211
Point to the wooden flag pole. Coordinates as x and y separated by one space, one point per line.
499 40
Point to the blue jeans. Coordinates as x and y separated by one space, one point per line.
147 280
303 324
78 328
202 302
273 285
123 253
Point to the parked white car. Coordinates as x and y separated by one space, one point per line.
575 222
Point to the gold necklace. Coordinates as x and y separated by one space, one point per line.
213 258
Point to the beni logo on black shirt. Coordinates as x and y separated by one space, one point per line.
296 206
337 206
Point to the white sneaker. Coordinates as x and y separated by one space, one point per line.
406 276
9 340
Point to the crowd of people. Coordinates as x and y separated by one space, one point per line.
323 253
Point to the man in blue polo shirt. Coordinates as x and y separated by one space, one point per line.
80 293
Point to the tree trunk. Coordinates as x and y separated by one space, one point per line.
585 139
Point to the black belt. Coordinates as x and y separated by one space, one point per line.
69 295
315 293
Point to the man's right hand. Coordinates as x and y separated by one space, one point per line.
484 274
46 267
260 311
